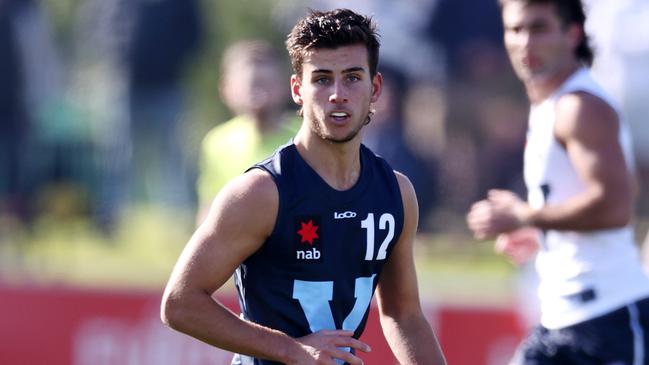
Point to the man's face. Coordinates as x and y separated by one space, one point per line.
539 46
335 91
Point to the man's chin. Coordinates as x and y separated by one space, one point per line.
536 76
337 140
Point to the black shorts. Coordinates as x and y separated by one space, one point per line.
620 337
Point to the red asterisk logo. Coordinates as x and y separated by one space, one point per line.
308 232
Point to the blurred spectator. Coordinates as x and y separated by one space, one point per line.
13 123
478 144
166 33
253 86
499 116
99 86
386 136
49 154
486 127
456 23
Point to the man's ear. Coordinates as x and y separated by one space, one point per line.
377 86
296 92
576 33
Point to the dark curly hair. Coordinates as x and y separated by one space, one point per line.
332 29
569 11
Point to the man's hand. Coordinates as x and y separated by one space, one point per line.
501 212
325 347
520 245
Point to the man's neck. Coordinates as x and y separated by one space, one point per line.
539 89
338 164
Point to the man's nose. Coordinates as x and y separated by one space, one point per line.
338 94
524 39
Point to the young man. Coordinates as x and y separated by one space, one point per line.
314 229
593 291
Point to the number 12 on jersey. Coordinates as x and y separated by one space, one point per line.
385 222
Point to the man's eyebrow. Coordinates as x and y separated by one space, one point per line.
348 70
534 23
321 71
354 69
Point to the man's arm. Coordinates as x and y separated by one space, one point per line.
588 129
410 336
242 216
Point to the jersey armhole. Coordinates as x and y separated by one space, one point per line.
280 203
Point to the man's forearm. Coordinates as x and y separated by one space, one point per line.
209 321
412 341
582 213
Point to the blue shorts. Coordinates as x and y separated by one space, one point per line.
620 337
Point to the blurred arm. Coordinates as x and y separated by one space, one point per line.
588 128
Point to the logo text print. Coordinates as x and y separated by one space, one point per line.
344 215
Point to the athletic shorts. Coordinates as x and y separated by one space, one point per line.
620 337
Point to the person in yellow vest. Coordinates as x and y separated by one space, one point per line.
253 88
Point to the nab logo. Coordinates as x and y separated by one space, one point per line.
344 215
312 254
308 239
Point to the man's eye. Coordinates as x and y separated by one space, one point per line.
353 78
538 28
321 80
515 30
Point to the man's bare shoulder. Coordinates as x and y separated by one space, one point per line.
252 197
404 183
256 181
582 113
408 195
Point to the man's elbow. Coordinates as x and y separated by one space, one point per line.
619 219
616 215
171 311
613 209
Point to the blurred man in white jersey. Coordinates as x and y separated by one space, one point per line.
593 292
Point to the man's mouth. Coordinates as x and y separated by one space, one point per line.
530 62
339 116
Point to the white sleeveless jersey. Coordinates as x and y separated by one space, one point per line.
582 274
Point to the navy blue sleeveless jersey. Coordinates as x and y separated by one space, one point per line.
319 267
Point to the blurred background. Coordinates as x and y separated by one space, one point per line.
105 106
